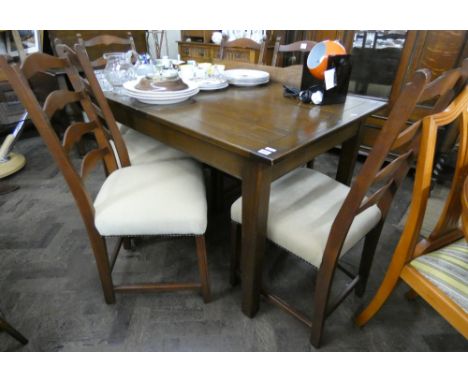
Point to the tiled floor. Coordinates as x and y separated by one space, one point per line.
51 293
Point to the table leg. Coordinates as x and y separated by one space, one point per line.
256 183
348 157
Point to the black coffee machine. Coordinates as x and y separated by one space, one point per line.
334 87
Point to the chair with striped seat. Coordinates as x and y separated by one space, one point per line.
436 267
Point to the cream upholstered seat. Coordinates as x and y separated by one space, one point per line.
303 206
160 198
144 149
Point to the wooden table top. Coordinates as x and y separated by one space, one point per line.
246 120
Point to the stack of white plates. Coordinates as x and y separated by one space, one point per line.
211 83
247 77
160 97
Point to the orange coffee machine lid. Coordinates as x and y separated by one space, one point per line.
317 61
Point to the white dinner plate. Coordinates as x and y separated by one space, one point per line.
246 75
248 84
164 101
130 87
213 85
164 96
219 87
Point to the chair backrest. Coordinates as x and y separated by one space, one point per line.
227 50
41 116
80 60
464 202
445 88
108 41
448 227
298 46
394 134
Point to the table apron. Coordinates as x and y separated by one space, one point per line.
306 153
206 152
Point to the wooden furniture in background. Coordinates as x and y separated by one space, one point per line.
105 42
203 36
68 37
198 51
413 256
346 214
115 213
303 46
437 51
200 48
209 128
242 49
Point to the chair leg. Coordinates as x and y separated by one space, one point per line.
411 295
5 326
235 253
102 262
321 296
203 268
217 185
318 322
368 252
127 243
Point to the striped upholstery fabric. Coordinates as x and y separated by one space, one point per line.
447 269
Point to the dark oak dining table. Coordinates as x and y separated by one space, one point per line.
256 135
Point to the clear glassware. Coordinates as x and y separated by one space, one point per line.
103 82
119 69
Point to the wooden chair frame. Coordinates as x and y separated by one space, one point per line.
445 232
18 77
80 60
298 46
107 40
242 43
395 134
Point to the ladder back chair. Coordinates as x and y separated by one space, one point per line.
109 42
89 83
448 135
304 46
436 267
229 50
132 146
164 198
319 219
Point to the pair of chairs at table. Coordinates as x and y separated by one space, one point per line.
228 49
164 194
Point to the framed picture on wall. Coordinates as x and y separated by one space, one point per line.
30 40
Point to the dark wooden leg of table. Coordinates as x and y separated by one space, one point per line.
348 157
256 183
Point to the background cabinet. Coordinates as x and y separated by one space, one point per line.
200 48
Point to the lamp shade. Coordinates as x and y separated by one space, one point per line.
317 61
